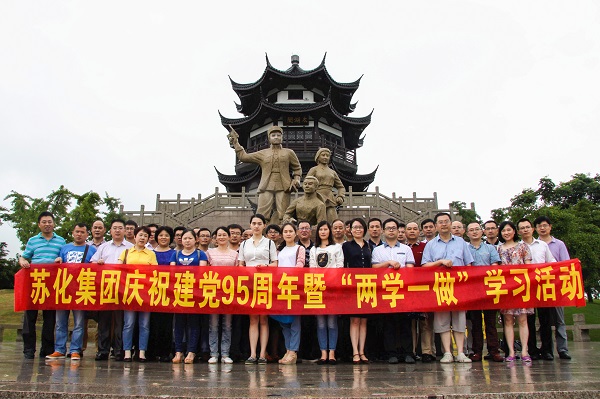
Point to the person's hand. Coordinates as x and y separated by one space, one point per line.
295 184
58 260
446 262
339 200
24 263
395 264
100 261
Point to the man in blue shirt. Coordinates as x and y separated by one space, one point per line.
76 252
484 254
448 250
42 248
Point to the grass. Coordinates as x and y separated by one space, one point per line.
8 316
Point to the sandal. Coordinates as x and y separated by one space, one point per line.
526 359
189 359
354 359
363 358
178 358
509 359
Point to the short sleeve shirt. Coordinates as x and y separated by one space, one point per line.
72 253
41 250
400 253
192 259
484 255
455 250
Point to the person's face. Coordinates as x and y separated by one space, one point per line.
197 231
304 231
543 229
275 137
374 229
46 225
289 235
338 229
324 232
429 230
141 238
324 157
213 239
491 231
257 226
152 232
273 234
412 231
457 229
508 233
204 238
309 186
129 232
391 231
188 241
474 231
222 237
525 230
348 231
163 239
80 234
358 231
235 236
98 230
178 235
443 224
117 230
247 234
401 234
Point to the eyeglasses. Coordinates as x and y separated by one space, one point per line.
443 222
357 228
391 228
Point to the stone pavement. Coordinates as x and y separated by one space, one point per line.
578 378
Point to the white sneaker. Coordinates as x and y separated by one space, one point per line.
226 360
448 358
462 358
213 360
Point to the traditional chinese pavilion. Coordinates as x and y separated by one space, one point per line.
313 110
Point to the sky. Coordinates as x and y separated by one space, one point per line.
474 100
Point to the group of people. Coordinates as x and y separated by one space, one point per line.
395 337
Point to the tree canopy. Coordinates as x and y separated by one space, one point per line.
67 207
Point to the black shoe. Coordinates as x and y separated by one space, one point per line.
322 361
101 356
393 360
332 362
548 356
564 355
127 360
535 356
427 358
29 355
142 360
409 359
119 357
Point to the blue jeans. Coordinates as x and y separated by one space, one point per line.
190 324
327 328
143 325
291 334
213 335
62 331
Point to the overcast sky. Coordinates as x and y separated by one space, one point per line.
474 100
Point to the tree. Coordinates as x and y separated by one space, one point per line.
466 215
574 208
8 268
25 210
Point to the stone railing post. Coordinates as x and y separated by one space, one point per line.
580 334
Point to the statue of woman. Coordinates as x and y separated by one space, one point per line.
328 179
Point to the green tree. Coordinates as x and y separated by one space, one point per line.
87 207
8 268
574 208
466 215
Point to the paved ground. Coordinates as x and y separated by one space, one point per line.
578 378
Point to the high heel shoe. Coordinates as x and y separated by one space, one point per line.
354 359
363 358
178 358
189 359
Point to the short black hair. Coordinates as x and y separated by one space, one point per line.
318 240
152 225
401 225
541 219
523 220
189 231
145 229
361 221
169 231
224 228
438 215
235 226
303 221
81 224
131 223
44 214
388 220
425 221
503 225
490 221
117 220
178 228
204 229
375 220
274 227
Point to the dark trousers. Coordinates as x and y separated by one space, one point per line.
110 321
397 335
489 316
161 335
547 318
29 335
532 341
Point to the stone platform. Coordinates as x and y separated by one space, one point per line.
578 378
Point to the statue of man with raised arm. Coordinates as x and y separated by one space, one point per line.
280 173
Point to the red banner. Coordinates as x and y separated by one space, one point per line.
270 290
